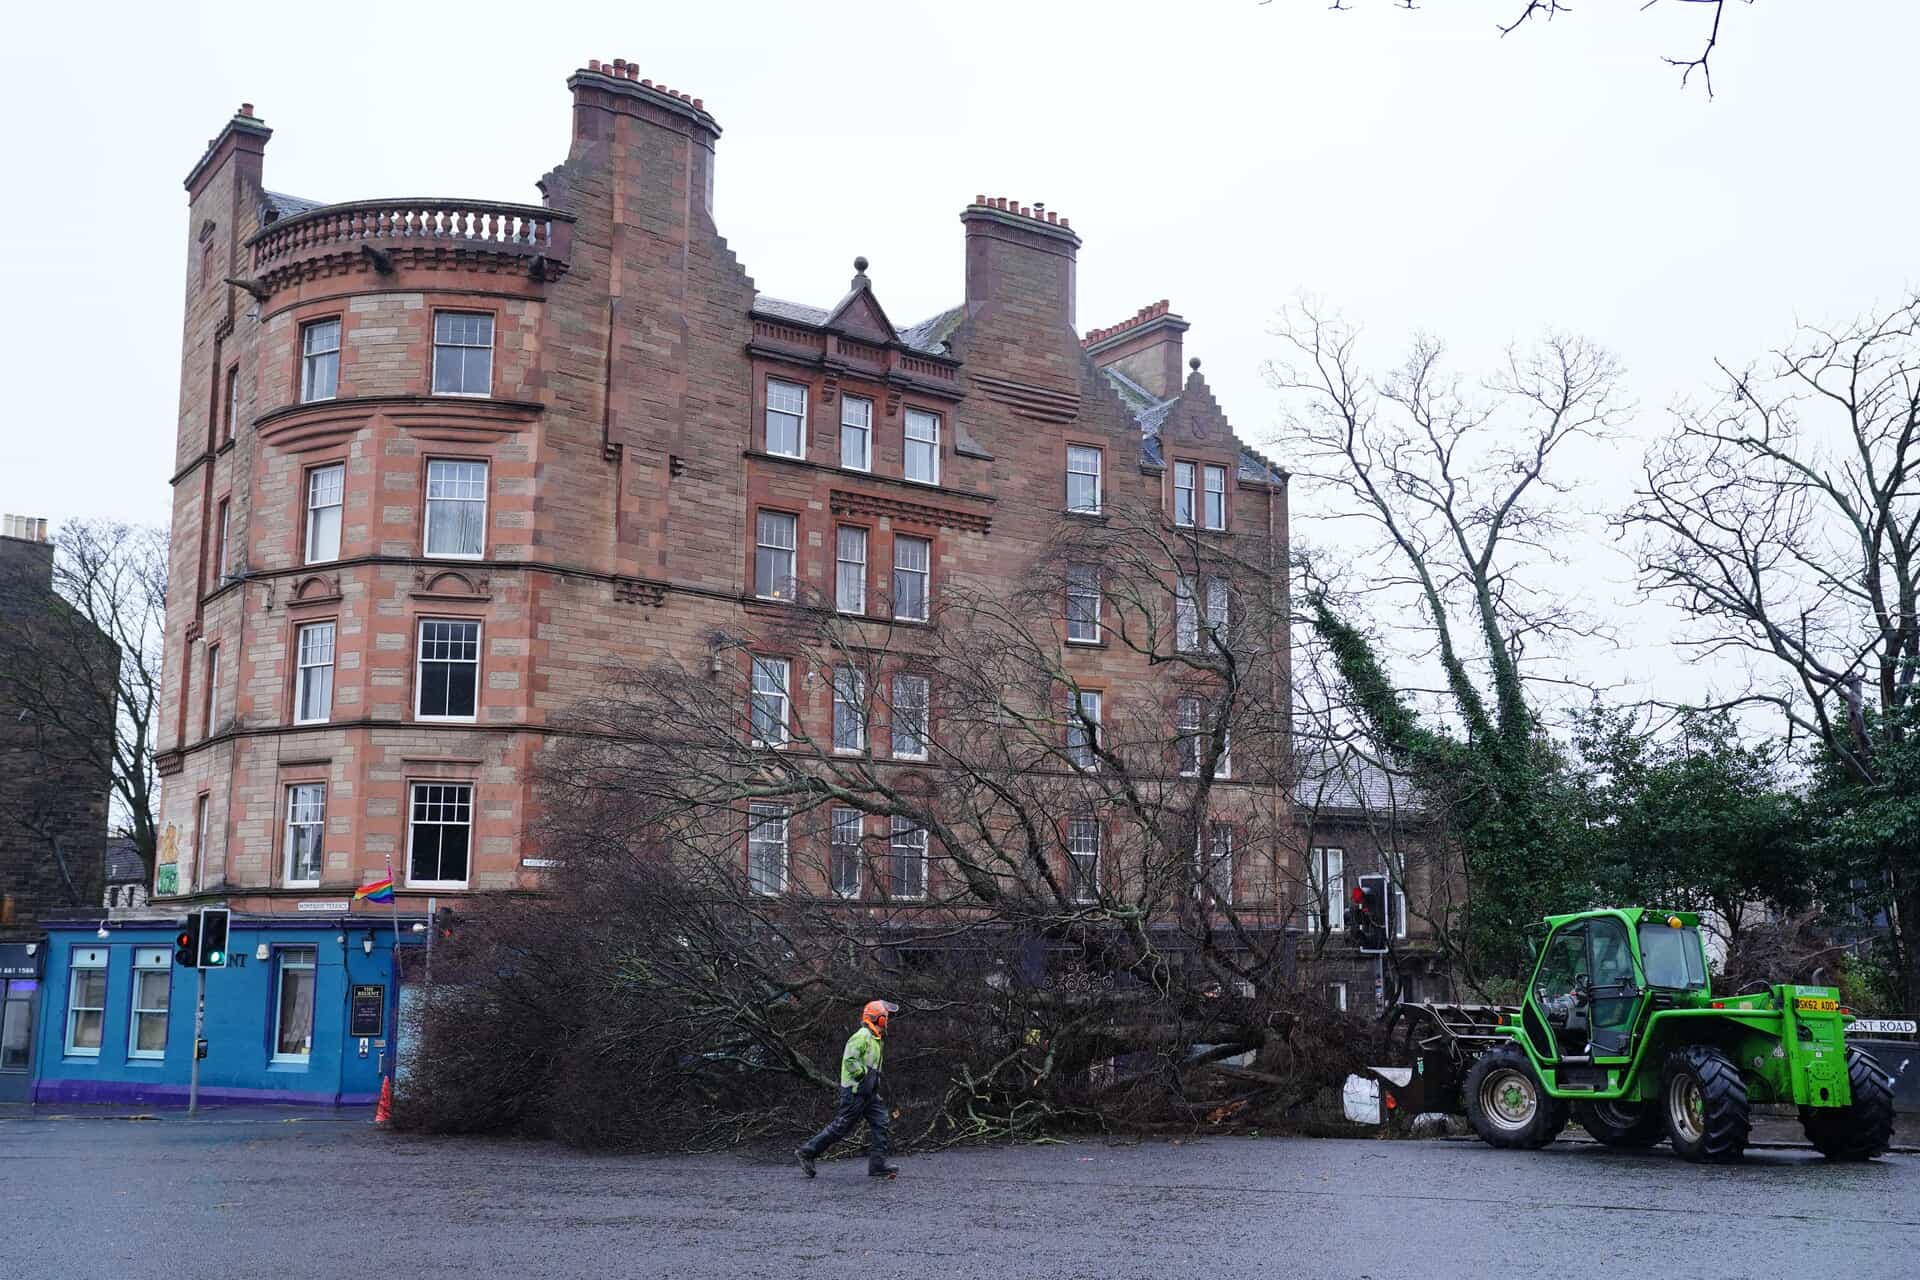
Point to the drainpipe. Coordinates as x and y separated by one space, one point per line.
346 1012
60 860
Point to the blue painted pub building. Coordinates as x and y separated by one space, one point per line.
303 1014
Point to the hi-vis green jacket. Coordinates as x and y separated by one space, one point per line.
860 1059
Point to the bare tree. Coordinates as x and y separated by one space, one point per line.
1466 518
86 665
1529 12
1785 521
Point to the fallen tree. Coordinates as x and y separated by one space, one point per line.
1078 901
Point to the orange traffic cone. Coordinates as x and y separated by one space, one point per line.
384 1112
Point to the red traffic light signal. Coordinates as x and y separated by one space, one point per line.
186 943
1370 905
202 944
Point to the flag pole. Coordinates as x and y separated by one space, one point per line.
393 1031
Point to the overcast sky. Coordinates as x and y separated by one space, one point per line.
1411 168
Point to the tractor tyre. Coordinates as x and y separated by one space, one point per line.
1703 1101
1507 1105
1863 1128
1622 1124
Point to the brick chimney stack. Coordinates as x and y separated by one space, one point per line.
606 93
26 562
1146 347
25 528
1020 256
241 143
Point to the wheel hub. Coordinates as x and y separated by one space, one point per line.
1686 1108
1509 1099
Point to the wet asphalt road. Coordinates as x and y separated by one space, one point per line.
270 1197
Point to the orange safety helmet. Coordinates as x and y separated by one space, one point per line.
874 1016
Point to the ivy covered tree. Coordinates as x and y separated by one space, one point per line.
1460 490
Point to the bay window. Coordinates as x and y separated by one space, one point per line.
326 490
313 679
456 509
306 827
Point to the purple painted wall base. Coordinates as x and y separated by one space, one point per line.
137 1093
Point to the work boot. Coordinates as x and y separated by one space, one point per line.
879 1168
806 1161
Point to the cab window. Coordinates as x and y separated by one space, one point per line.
1612 957
1564 963
1673 957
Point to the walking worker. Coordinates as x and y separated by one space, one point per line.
859 1096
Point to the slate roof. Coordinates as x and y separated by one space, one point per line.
930 335
1151 413
1341 778
280 205
123 863
933 336
781 309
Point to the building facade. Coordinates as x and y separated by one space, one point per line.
440 461
303 1012
56 733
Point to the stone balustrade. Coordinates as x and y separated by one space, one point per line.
490 230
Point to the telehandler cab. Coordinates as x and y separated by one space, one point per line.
1620 1031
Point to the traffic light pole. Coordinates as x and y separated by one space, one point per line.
199 1030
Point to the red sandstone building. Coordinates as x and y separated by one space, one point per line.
439 460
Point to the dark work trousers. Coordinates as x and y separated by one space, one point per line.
855 1106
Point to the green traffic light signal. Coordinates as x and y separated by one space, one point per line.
213 938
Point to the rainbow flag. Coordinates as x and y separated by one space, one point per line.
379 891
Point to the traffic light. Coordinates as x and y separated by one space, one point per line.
444 922
1370 905
212 953
186 943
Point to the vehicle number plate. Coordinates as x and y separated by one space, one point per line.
1815 1004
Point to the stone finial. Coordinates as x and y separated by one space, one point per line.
860 265
1194 364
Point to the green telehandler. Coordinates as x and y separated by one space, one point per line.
1621 1031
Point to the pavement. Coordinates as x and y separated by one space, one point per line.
244 1193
